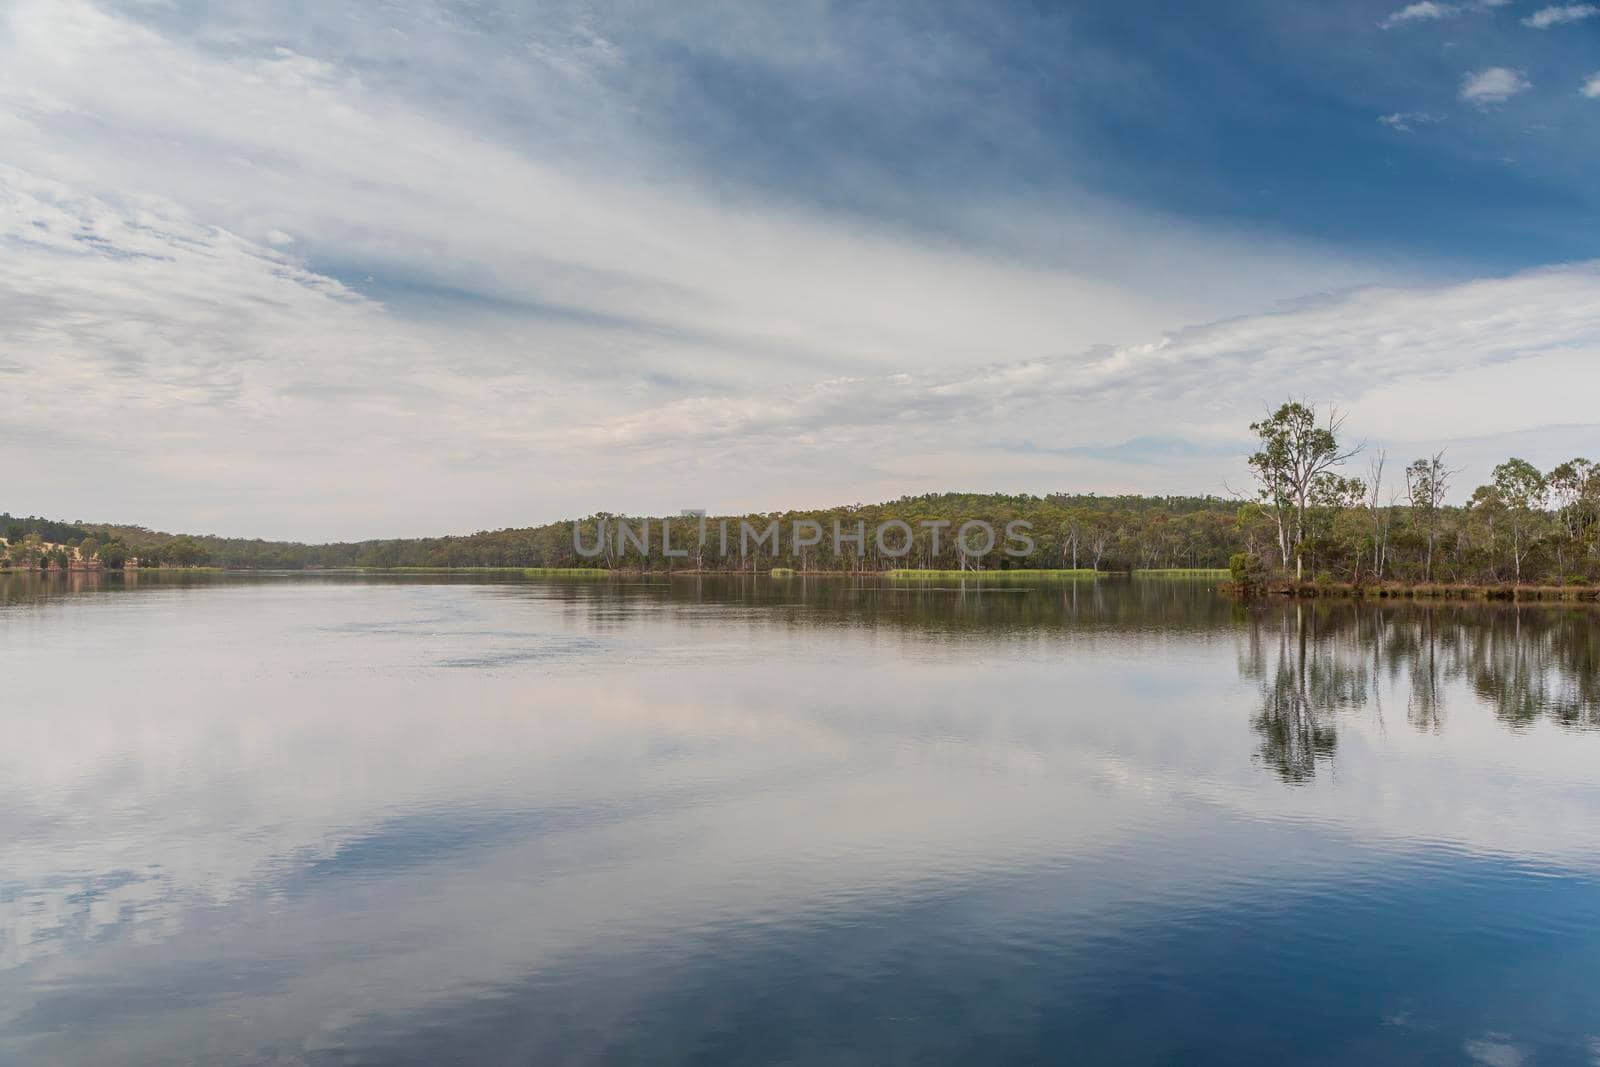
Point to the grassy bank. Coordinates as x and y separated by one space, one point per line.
990 576
568 572
526 572
1184 572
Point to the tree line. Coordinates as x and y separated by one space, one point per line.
34 543
1308 520
1308 517
1069 531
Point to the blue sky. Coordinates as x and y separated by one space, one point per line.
1256 115
317 271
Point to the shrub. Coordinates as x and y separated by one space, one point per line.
1249 574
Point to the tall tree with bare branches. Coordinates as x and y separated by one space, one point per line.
1427 481
1380 515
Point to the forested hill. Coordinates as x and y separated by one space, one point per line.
1523 527
1113 532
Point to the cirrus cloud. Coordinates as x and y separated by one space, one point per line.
1422 11
1406 121
1560 14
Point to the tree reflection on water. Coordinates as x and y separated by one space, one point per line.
1315 660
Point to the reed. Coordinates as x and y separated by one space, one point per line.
995 576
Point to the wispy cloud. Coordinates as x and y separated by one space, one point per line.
1431 10
1404 121
1591 86
1495 1050
1560 14
1495 85
1422 11
1381 344
202 365
354 297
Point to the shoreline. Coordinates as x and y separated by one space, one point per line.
1308 590
1434 591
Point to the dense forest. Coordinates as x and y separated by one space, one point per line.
1307 517
1106 533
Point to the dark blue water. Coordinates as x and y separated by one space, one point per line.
334 821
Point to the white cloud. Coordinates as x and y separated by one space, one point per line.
1557 15
143 344
1495 1050
1591 86
359 175
1493 86
535 291
1405 121
1431 10
1203 383
1422 11
178 368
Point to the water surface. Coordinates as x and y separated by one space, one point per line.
339 820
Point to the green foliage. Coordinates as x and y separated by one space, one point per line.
1016 574
184 552
1187 572
1249 574
44 529
1519 484
564 572
1293 468
1114 533
1523 527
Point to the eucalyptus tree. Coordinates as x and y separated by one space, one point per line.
1099 539
1575 485
1522 489
1296 450
1072 535
1379 514
1427 481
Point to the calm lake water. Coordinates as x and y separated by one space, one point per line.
335 820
